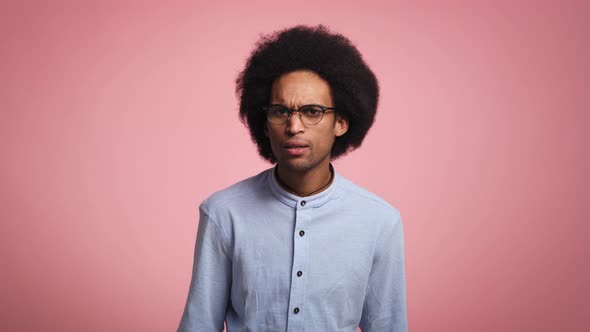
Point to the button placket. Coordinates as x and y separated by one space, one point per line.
300 257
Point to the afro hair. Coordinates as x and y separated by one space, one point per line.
354 87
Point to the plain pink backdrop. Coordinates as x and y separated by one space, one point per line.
119 118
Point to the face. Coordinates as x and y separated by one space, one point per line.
296 146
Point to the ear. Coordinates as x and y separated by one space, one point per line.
340 125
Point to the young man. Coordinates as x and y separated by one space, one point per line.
298 247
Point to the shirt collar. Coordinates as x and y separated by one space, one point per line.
295 201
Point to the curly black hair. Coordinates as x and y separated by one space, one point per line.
354 87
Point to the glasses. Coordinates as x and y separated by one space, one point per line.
309 114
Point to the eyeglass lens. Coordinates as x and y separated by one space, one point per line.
309 114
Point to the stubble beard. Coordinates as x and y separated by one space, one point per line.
302 166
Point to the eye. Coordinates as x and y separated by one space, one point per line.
278 110
311 111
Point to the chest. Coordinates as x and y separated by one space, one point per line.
325 249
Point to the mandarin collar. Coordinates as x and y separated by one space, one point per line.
295 201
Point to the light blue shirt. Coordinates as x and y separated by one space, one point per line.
268 260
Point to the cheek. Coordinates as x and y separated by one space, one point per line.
273 138
328 137
327 143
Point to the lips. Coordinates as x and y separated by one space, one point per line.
290 145
295 148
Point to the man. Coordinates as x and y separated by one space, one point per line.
298 247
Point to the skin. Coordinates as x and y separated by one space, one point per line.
304 169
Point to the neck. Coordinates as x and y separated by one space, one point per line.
305 184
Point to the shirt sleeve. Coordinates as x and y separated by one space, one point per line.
384 307
209 290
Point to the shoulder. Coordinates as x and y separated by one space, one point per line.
361 198
236 194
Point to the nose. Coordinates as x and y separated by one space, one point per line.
294 123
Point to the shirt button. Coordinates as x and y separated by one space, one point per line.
299 273
303 203
296 311
301 233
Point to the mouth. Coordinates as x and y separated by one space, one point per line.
295 145
295 148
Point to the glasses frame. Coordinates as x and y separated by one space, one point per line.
323 108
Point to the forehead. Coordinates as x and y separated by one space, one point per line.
301 87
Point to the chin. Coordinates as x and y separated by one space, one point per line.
299 166
296 165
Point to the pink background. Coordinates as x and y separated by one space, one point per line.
118 119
